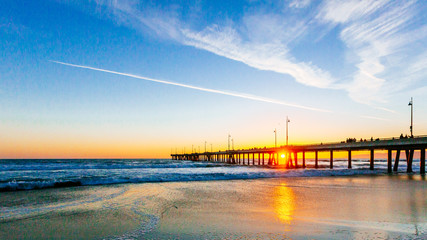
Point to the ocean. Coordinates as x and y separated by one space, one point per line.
169 199
27 174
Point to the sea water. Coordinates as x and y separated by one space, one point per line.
26 174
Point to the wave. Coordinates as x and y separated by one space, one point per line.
17 165
180 177
16 175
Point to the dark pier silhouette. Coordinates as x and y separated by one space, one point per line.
270 156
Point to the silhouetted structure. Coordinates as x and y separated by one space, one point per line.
270 156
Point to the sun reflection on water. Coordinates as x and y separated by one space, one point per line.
284 203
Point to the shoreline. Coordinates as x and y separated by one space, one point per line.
299 208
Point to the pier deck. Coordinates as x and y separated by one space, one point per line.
270 156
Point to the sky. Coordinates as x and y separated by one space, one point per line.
143 79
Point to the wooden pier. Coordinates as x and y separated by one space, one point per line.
270 156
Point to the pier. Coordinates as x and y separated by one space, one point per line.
395 147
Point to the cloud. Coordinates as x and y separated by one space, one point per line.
377 34
228 93
299 3
338 11
268 56
260 41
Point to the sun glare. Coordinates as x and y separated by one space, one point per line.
284 204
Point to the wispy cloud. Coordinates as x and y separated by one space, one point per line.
269 56
260 40
344 11
299 3
377 33
229 93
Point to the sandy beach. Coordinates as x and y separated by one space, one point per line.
356 207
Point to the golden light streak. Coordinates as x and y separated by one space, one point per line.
284 203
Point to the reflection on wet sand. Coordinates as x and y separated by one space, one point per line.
284 204
380 207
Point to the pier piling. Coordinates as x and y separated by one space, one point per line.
389 152
303 160
316 159
396 161
423 161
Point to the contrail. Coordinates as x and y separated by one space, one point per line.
375 118
234 94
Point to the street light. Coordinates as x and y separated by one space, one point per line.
287 121
275 138
411 103
229 136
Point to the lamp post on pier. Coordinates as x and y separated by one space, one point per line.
275 138
229 136
288 155
287 121
411 103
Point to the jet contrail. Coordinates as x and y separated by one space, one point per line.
241 95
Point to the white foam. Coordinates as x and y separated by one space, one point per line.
61 173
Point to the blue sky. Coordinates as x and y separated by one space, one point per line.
338 69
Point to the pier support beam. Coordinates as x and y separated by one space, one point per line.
409 156
316 160
271 158
331 160
371 160
349 159
296 159
423 161
389 161
303 159
396 161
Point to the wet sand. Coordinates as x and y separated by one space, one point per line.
356 207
